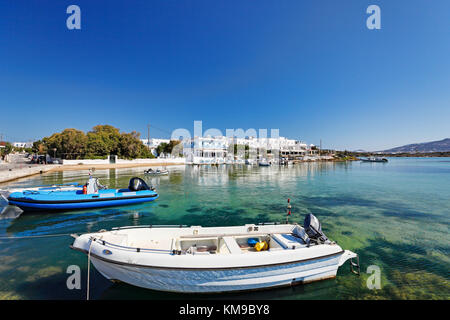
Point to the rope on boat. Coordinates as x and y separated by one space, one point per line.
37 236
88 270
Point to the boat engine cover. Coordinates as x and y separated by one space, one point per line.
314 229
137 184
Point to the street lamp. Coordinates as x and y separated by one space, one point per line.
54 153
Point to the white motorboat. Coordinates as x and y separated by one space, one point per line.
157 172
215 259
264 163
375 159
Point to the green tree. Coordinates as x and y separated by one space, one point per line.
168 148
69 144
161 148
6 149
131 146
103 140
39 147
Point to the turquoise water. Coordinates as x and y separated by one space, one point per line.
394 215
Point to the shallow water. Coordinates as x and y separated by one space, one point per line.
395 215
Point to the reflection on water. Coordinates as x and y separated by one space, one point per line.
394 215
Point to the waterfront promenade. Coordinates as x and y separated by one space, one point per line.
20 166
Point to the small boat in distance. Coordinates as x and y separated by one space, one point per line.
249 162
92 195
264 163
215 259
375 159
157 172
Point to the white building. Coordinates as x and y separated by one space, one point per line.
206 150
23 144
217 149
153 143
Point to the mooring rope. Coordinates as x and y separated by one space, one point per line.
37 236
88 270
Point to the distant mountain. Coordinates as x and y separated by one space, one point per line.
433 146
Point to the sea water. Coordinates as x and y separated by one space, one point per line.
394 215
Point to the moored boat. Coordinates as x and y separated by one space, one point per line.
51 187
264 163
374 159
92 195
157 172
215 259
249 162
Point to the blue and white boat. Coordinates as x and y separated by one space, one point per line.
93 195
216 259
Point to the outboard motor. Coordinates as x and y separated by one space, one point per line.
314 229
137 184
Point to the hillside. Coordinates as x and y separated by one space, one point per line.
433 146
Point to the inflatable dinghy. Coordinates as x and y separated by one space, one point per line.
92 195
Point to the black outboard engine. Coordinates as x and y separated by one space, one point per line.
137 184
314 229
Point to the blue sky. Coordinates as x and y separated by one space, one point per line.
310 68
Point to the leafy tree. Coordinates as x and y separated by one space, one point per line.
175 148
6 149
131 146
69 144
104 140
161 148
39 147
168 148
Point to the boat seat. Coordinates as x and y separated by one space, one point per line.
232 245
287 241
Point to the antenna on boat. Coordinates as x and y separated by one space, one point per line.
288 210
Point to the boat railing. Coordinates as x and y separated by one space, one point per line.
152 226
221 235
270 223
107 243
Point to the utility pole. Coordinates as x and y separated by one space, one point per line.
148 135
320 148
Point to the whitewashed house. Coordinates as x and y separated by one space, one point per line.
23 144
153 143
206 150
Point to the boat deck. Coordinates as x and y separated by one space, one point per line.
198 240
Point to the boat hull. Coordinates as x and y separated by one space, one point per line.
220 280
36 204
